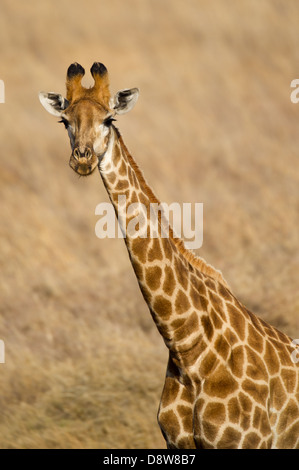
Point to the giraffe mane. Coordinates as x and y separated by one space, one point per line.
194 260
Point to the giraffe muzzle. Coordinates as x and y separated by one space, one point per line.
83 162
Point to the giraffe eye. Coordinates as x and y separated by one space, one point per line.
108 121
65 122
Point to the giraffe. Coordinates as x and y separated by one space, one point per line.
230 381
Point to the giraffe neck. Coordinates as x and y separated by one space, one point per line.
172 280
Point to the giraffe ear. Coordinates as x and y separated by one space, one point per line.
53 103
125 100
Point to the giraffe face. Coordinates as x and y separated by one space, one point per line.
88 125
87 114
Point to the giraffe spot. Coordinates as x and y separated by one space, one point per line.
199 301
288 376
214 413
203 303
199 405
153 277
234 410
285 355
230 439
271 359
224 293
182 303
139 248
253 319
236 320
256 369
116 155
170 424
209 283
162 307
258 416
138 268
245 421
289 439
210 431
111 177
209 362
255 340
265 427
287 416
198 284
170 391
176 325
121 185
167 248
186 395
169 281
257 391
207 326
230 336
255 373
123 169
236 361
155 252
245 402
186 415
215 299
221 384
222 346
185 327
251 441
215 319
143 199
181 273
133 198
278 393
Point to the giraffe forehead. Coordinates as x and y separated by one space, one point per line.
86 113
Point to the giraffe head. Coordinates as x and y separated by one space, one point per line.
88 114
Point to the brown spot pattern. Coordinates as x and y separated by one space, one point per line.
153 277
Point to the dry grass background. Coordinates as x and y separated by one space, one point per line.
214 124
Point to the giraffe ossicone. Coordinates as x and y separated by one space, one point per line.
231 381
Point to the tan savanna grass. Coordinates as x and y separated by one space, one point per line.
214 124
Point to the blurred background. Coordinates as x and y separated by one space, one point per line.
214 123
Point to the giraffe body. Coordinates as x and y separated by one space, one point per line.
230 380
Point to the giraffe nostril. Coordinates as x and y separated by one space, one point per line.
88 153
76 153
